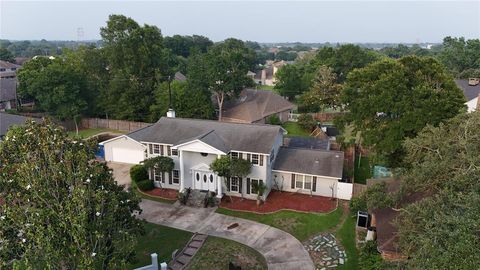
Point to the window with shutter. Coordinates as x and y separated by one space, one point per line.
292 185
248 157
240 155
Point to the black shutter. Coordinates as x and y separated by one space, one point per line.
150 148
248 185
293 181
240 182
169 150
314 185
161 150
261 159
228 183
170 177
248 157
240 155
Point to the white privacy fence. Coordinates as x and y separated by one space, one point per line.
344 190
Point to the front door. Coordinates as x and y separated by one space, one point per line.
204 180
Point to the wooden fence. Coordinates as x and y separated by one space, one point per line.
121 125
326 117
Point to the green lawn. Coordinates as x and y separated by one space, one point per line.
161 240
346 235
362 172
300 225
85 133
216 253
294 129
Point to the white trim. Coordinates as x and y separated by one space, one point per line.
122 136
322 176
199 141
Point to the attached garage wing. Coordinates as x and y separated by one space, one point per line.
124 149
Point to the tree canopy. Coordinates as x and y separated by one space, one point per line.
6 55
227 166
325 91
391 100
440 230
459 54
58 201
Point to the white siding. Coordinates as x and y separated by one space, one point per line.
124 149
472 105
323 188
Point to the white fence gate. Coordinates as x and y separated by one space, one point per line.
344 191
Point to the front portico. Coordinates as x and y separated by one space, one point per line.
195 157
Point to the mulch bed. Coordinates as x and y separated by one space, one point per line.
164 193
277 201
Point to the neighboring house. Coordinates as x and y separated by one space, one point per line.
8 67
8 85
266 76
9 120
8 93
256 106
471 91
194 144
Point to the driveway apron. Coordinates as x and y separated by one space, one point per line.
280 249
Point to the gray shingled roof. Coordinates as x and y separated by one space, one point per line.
221 135
253 105
314 162
5 64
8 120
470 92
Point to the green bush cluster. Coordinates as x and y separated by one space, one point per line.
274 120
138 173
307 122
145 185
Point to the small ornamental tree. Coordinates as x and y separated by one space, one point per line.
60 208
307 122
163 164
227 167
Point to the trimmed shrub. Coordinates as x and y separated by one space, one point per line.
307 122
138 173
145 185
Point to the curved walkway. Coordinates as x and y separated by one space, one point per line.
280 249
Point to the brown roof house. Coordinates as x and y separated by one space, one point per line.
384 221
256 106
266 76
471 91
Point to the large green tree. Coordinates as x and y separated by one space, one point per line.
459 54
442 230
391 100
227 64
290 82
325 91
61 209
137 63
6 55
56 86
344 59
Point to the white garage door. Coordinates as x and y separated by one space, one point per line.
127 155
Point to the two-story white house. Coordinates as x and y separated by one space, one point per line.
194 144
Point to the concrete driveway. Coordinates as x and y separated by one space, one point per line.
121 173
280 249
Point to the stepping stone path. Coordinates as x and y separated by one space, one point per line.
183 258
325 252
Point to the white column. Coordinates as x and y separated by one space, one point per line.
219 183
182 171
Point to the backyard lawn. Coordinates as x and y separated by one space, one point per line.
161 240
85 133
294 129
300 225
346 235
216 253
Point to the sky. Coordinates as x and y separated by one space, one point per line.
266 21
